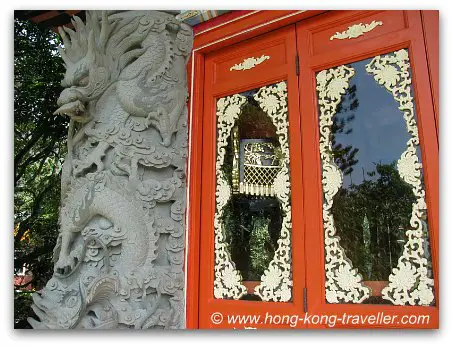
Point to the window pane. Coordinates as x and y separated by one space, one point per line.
253 213
376 231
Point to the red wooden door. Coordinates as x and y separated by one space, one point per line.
340 53
362 97
262 69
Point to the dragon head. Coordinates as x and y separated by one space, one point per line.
133 50
87 75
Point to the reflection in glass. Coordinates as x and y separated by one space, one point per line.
252 222
251 217
373 206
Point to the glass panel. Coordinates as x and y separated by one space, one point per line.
376 231
252 205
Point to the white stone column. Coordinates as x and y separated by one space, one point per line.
120 252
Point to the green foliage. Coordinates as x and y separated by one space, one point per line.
22 309
251 224
261 248
386 201
39 149
252 227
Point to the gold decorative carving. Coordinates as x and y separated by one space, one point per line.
227 280
355 30
235 169
249 63
343 283
409 282
276 282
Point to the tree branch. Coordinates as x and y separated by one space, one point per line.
39 132
25 224
42 154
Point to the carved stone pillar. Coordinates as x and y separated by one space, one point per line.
120 252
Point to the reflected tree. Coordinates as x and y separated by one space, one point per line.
344 156
251 223
371 219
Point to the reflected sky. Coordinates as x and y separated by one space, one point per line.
378 129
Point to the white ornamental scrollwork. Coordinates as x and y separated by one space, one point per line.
276 282
227 279
249 63
409 282
343 283
355 31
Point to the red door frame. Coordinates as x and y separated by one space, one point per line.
430 22
248 24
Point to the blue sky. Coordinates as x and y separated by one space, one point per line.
378 130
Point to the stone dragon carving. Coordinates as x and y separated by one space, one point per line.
120 252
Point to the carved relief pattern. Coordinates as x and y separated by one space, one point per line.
276 282
409 283
120 251
227 280
249 63
343 283
355 31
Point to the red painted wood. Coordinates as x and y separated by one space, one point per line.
194 178
376 286
219 21
209 305
257 23
412 38
320 35
430 20
251 26
250 285
405 31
